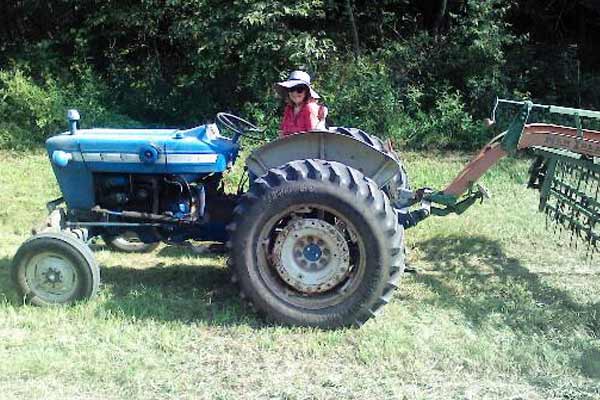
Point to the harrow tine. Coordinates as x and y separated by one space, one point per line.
570 198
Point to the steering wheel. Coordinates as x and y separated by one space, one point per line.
240 126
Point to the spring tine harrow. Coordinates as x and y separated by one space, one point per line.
570 197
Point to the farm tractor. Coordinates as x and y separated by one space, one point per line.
317 239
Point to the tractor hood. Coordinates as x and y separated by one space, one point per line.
196 150
79 154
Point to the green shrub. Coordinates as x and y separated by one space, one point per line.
446 125
180 62
28 111
33 109
360 94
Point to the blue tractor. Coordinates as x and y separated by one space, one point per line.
318 237
314 241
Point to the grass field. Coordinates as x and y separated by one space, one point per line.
499 308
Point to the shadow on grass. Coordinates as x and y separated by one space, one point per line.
481 281
175 250
7 290
164 293
175 293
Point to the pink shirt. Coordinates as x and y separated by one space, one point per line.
305 120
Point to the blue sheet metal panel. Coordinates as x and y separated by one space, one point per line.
76 184
193 151
190 155
146 151
120 140
74 179
185 163
63 141
111 135
121 150
208 138
124 162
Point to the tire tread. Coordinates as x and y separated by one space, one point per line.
342 176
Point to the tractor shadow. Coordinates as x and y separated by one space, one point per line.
172 290
174 293
7 290
474 275
168 290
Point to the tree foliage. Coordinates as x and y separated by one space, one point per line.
421 72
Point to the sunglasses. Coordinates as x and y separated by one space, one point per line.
298 89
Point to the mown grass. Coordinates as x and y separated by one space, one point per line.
499 308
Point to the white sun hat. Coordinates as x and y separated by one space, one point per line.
296 78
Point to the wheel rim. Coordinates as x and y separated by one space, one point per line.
310 233
311 255
52 277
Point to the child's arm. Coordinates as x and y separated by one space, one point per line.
318 113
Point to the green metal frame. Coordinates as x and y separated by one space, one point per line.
445 204
510 141
453 204
570 195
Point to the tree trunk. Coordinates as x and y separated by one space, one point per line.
434 12
355 42
440 12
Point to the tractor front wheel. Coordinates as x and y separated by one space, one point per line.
55 268
315 243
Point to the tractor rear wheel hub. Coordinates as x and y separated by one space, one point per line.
311 255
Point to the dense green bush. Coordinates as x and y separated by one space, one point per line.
360 93
420 72
184 61
446 125
31 110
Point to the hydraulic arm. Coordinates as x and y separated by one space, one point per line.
566 171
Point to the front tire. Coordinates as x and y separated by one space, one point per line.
55 268
315 243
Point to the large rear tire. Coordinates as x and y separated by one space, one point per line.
400 180
55 268
315 243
